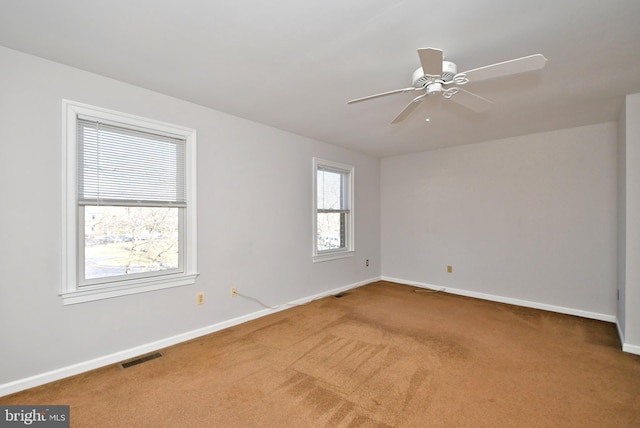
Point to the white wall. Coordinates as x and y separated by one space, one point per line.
529 219
254 225
630 298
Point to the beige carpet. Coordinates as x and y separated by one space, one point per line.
383 355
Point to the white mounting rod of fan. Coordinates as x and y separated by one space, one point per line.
439 76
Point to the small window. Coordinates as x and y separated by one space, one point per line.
333 210
129 205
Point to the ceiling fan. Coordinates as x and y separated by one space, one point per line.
439 76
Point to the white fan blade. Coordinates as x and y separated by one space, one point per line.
431 61
514 66
370 97
409 108
471 101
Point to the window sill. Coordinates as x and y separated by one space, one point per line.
332 256
100 292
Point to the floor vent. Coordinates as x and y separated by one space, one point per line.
140 360
339 295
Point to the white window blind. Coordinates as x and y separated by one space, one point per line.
125 166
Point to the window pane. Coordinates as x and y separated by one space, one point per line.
126 240
331 231
331 193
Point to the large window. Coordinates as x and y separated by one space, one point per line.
129 206
333 210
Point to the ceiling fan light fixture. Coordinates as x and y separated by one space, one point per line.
434 87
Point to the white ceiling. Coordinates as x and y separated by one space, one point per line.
293 64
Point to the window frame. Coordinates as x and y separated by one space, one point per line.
349 249
75 289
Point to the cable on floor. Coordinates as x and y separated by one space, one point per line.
291 304
260 302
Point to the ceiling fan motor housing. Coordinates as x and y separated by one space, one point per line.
449 70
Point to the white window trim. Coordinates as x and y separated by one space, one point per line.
323 256
70 291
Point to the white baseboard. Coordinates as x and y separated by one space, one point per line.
116 357
509 300
632 349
